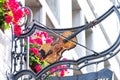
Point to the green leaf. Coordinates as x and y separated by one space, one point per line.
7 26
32 58
2 1
37 61
34 45
2 27
1 22
1 4
44 64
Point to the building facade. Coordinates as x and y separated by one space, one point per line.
72 13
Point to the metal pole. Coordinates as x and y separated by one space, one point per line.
27 56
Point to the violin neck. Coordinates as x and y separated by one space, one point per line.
72 35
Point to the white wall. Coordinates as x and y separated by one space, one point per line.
5 54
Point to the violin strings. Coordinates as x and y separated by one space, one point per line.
58 34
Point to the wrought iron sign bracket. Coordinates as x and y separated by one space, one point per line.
20 55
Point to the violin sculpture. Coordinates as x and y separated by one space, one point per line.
56 49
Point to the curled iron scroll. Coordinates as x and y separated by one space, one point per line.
88 58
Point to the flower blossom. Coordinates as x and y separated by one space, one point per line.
8 19
17 15
49 40
41 33
13 14
35 51
31 40
26 11
62 73
13 5
38 41
37 68
17 30
45 34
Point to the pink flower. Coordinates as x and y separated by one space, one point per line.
37 68
45 34
62 73
17 14
38 41
13 4
64 59
31 40
52 70
5 5
37 34
26 11
17 30
35 51
49 40
41 35
8 19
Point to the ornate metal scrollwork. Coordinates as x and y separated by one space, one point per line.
82 62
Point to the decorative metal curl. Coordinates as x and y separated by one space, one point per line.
89 58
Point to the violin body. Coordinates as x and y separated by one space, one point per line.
57 48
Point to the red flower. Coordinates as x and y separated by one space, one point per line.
49 40
45 34
38 41
26 11
62 73
37 34
13 4
17 14
37 68
31 40
8 19
16 9
5 5
64 59
35 51
17 30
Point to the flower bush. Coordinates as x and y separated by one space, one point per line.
37 62
59 71
36 42
11 12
